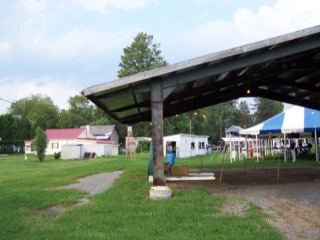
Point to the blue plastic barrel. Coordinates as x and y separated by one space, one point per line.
171 158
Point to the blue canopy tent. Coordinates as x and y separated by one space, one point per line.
296 120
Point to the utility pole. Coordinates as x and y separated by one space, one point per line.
220 129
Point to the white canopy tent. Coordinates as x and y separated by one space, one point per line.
294 120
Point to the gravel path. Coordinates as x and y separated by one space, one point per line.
292 203
292 208
95 183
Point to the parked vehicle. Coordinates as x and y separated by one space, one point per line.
214 147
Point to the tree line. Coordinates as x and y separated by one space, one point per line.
26 114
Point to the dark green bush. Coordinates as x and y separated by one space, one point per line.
144 145
56 155
9 150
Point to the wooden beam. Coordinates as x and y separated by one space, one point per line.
157 132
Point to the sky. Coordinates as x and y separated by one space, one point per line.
60 47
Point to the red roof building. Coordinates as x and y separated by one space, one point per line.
71 133
77 137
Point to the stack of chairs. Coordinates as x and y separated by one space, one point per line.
88 155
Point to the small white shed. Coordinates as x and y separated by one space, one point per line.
100 149
185 145
71 151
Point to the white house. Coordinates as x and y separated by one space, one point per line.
74 139
185 145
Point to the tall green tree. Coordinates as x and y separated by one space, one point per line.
25 105
177 124
221 117
36 106
22 128
40 122
244 117
100 117
141 55
6 127
40 143
266 108
199 121
6 131
48 111
80 113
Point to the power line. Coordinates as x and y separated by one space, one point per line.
5 100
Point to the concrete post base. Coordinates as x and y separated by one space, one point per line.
160 192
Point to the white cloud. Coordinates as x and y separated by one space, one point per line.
87 47
102 6
285 16
4 46
14 89
34 6
247 26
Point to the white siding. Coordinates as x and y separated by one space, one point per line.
114 136
183 145
100 149
70 152
86 134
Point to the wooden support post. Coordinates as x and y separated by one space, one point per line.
316 144
157 132
285 147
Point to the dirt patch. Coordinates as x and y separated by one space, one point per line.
292 203
234 206
93 184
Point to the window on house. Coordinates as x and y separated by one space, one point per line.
55 145
192 145
201 145
28 147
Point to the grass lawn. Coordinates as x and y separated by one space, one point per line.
122 212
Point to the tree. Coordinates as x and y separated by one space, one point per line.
101 118
141 56
36 106
244 118
40 143
6 127
220 117
266 108
6 131
177 124
80 113
48 111
22 128
199 122
25 105
40 122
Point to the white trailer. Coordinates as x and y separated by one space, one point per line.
185 145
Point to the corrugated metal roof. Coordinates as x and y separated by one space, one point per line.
101 129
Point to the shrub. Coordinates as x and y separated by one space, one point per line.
57 155
9 150
144 145
40 143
